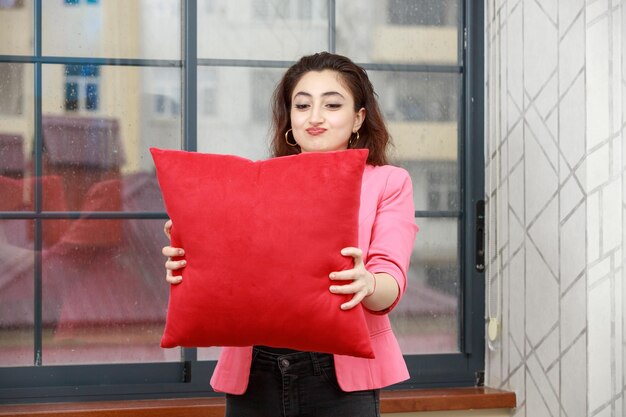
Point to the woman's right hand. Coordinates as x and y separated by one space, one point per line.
171 252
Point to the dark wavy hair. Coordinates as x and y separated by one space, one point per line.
373 134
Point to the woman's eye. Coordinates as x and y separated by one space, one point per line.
301 106
333 106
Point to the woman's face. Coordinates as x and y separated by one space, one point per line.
322 112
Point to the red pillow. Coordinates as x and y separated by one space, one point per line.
260 240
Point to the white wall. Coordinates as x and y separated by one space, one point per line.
555 105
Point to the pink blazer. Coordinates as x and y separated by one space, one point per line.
386 233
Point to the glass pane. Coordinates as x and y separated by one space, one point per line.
419 97
16 236
16 129
209 354
427 318
399 31
421 110
16 292
234 110
16 27
262 29
147 29
96 142
105 294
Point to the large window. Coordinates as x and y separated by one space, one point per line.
83 295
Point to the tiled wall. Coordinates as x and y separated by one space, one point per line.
556 127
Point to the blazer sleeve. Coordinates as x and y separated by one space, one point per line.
393 231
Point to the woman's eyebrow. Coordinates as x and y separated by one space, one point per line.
326 94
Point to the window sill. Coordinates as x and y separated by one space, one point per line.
391 402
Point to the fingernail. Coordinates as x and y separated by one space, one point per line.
183 263
181 252
332 276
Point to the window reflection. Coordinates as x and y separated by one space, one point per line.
103 284
11 160
427 319
422 13
81 87
105 292
112 28
104 277
16 17
234 110
261 29
104 299
399 31
12 85
16 289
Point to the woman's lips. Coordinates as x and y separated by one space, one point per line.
314 131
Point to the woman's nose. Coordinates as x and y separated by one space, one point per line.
316 115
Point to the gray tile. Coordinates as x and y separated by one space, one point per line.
516 359
539 129
516 194
514 57
516 233
542 297
516 145
593 228
595 10
568 10
597 167
574 380
573 248
570 197
599 344
573 314
554 377
540 47
611 215
564 169
550 9
619 161
597 83
516 301
548 351
517 383
548 97
572 122
541 399
552 123
544 233
599 271
541 180
571 54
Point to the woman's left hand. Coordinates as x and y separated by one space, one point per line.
363 281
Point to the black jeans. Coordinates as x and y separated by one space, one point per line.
301 384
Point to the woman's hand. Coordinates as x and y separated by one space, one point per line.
363 281
377 292
171 252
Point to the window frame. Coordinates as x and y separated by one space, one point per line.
190 377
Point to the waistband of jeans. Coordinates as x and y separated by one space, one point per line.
293 355
276 350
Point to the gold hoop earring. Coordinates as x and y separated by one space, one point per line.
294 143
353 144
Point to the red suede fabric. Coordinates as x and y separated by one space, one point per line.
260 239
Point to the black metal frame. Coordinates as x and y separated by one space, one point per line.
190 377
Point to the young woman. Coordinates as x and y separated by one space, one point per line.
323 103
